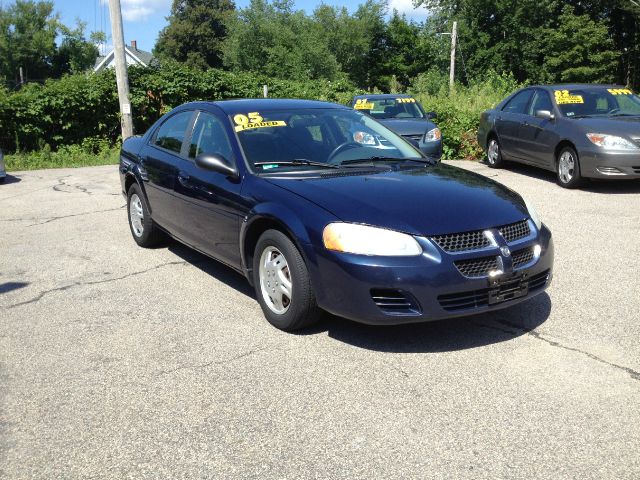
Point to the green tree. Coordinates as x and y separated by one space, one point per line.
578 49
28 31
195 32
75 53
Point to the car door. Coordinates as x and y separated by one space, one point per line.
160 162
537 135
211 204
508 123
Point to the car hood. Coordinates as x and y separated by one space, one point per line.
408 126
420 201
629 126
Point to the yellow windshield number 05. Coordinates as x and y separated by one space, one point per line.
251 117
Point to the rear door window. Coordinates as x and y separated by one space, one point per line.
171 133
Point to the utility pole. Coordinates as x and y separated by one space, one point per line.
452 67
121 68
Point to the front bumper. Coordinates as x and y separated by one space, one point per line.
357 287
609 165
431 149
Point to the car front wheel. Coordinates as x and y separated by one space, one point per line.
494 154
282 283
568 168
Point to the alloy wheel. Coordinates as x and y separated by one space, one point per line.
136 214
566 167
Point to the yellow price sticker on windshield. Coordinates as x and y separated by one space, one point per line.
563 97
363 104
406 100
619 91
254 120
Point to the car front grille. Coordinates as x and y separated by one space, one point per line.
522 257
515 231
417 138
477 267
480 298
475 240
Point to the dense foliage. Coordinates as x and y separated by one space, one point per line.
75 107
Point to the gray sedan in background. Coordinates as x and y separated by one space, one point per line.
3 170
578 131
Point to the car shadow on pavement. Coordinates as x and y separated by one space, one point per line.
441 336
11 286
589 185
11 179
219 271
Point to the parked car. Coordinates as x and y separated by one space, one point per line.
404 115
578 131
323 208
3 170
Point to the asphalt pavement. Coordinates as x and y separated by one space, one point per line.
120 362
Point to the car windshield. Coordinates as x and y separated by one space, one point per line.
390 107
591 102
316 138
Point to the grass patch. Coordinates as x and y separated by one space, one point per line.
92 152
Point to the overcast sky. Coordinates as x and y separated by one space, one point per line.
143 19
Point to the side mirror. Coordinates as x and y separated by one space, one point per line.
545 115
432 115
216 163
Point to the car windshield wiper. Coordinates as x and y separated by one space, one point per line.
624 115
296 163
386 159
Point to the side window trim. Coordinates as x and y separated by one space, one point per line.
152 138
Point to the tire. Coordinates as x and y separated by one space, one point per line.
145 233
277 260
568 168
494 153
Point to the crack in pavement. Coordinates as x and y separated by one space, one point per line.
634 374
42 294
62 183
214 362
53 219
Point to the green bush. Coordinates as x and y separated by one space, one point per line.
459 112
75 107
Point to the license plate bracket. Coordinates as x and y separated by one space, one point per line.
507 288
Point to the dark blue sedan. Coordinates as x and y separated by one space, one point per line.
323 208
405 116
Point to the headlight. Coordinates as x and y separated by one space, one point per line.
365 240
611 141
433 135
533 214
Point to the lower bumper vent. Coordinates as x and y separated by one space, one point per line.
394 302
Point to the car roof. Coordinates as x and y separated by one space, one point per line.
232 107
379 96
575 86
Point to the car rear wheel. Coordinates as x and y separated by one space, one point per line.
568 168
144 231
282 283
494 154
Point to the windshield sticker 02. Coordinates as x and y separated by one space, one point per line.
619 91
363 104
563 97
254 120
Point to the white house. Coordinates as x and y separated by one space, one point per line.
133 55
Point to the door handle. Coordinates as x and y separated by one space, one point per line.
184 180
525 124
